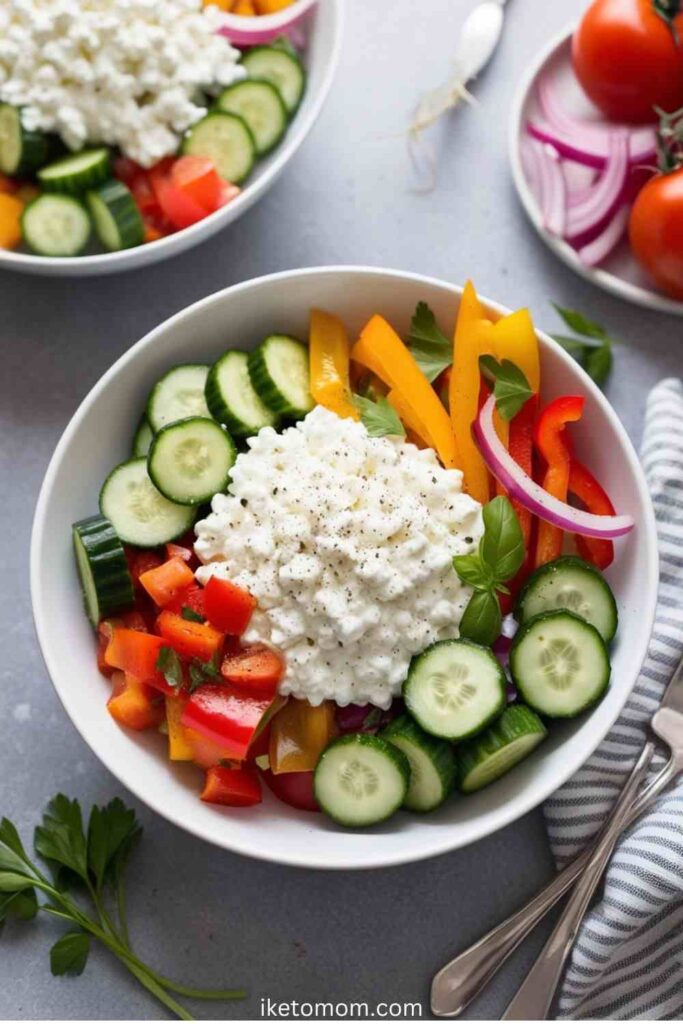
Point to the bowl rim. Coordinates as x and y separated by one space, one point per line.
171 245
527 799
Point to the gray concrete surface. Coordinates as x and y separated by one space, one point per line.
197 912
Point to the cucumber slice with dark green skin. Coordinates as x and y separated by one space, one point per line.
177 395
102 567
282 68
261 106
143 439
280 374
139 513
361 780
55 225
432 764
231 398
21 151
572 585
115 216
225 139
77 172
189 461
454 689
511 738
559 664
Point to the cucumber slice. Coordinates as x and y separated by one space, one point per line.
261 106
177 395
432 764
281 68
190 460
573 585
231 398
559 664
102 567
279 373
116 216
455 688
54 225
504 744
143 439
138 512
21 151
361 780
225 139
76 172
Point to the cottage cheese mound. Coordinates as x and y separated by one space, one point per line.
120 72
347 542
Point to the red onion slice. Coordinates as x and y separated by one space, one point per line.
599 249
607 196
531 495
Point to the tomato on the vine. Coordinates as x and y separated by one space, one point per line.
628 56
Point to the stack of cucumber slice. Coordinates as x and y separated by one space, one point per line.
458 729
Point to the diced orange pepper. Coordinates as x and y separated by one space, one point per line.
135 653
299 734
245 8
382 351
166 581
179 743
131 704
11 210
271 6
329 364
190 639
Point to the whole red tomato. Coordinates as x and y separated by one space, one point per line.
628 56
656 230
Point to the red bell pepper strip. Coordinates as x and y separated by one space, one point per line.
135 653
228 607
133 704
551 442
226 715
584 486
257 668
189 639
233 787
293 788
167 580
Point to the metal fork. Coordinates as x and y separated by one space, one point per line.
463 978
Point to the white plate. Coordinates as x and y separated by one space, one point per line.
99 436
322 54
620 274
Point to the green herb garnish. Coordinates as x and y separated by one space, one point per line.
431 349
170 666
201 672
190 615
510 387
592 350
379 418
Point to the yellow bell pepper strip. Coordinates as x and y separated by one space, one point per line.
11 210
299 734
472 339
180 747
514 338
407 417
329 364
382 351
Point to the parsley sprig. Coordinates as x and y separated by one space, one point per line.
592 349
84 865
379 417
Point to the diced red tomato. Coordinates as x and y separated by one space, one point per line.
126 170
135 653
179 208
192 598
140 561
228 193
226 715
166 581
132 703
198 179
8 185
177 551
256 668
293 788
233 787
190 639
135 620
584 486
228 607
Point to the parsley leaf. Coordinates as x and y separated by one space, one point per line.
190 615
379 418
202 671
108 828
170 666
60 839
592 350
430 348
581 324
69 954
511 388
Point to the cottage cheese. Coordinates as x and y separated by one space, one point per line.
121 72
346 541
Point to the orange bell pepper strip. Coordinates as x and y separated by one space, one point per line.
11 210
584 486
166 581
407 417
133 705
179 743
299 734
553 445
134 653
329 364
380 349
271 6
189 639
514 338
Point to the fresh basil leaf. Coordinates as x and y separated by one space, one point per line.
598 363
379 418
511 388
431 349
474 571
69 954
170 666
580 323
190 615
482 620
502 546
108 828
60 839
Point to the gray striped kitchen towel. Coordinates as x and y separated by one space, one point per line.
627 963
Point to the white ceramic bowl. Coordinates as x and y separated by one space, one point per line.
98 437
322 54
